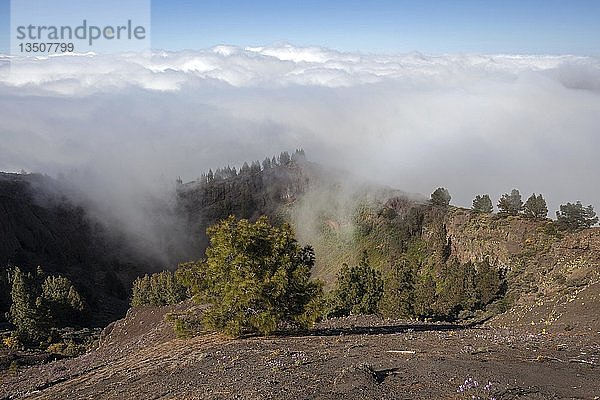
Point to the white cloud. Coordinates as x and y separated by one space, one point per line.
280 66
476 124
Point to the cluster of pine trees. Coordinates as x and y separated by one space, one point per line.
158 289
254 190
283 160
445 291
40 304
571 216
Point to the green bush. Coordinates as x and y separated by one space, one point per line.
358 290
255 277
185 324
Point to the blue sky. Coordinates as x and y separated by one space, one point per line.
506 26
390 26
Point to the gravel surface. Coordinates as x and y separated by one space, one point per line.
347 358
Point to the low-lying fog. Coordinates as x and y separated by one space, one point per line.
123 128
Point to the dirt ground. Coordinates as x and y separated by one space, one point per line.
348 358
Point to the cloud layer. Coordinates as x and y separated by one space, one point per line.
126 126
282 66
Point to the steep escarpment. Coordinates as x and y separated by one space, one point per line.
534 250
553 277
42 227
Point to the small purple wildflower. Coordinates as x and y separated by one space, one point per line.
472 389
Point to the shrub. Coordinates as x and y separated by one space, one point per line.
358 290
255 277
185 324
11 342
56 348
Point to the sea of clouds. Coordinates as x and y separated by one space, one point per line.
123 127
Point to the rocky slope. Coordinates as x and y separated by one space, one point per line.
553 277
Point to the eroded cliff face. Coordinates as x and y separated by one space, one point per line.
550 274
522 246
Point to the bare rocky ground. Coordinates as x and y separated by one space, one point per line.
349 358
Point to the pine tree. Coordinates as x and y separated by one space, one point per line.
441 197
299 156
482 204
141 292
245 170
510 204
266 164
456 289
28 312
535 207
399 291
255 276
5 287
284 159
425 295
575 217
65 305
